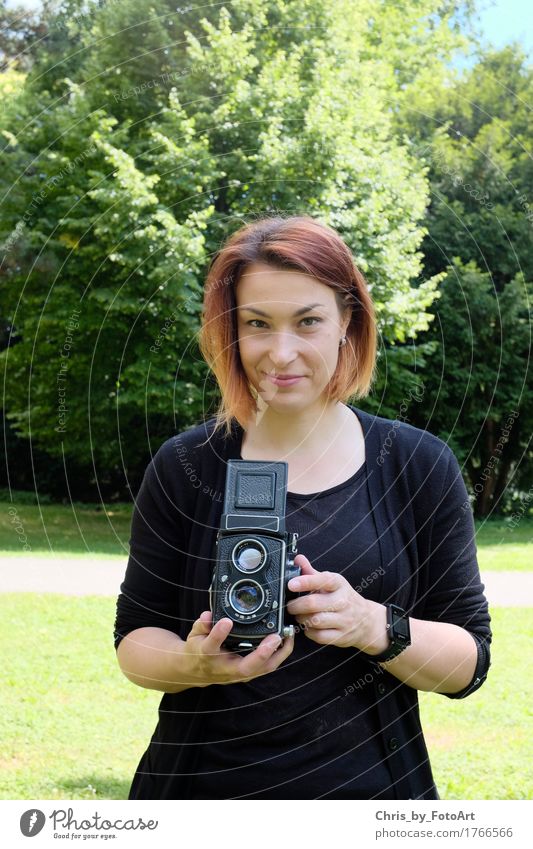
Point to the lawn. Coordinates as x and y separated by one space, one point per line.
481 747
79 530
503 547
74 728
66 531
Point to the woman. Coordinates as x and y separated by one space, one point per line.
385 538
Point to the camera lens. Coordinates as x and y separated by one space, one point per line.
249 555
246 597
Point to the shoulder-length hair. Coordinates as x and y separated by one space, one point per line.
299 243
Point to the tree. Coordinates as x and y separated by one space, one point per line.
480 232
123 178
22 30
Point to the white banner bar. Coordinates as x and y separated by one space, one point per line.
352 823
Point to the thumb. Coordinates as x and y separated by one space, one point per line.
202 625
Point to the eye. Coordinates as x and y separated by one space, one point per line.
253 321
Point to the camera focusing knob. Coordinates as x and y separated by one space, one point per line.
288 631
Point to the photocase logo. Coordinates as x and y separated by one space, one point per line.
31 822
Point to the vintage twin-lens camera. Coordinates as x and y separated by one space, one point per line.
254 555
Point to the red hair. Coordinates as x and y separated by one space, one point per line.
299 243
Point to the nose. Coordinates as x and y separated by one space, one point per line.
283 349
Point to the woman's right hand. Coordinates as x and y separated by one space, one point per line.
209 663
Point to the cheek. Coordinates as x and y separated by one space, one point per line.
244 342
325 351
248 350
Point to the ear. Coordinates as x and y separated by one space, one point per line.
344 311
346 318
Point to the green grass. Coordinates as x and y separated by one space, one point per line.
495 531
74 728
72 531
481 747
502 547
80 529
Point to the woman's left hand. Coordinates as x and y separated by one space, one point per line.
333 613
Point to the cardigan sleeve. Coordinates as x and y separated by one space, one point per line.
454 591
148 594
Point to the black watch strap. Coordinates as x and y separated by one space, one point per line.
399 634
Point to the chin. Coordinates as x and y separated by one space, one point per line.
289 401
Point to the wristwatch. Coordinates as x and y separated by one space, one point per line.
399 634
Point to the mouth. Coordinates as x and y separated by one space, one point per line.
284 379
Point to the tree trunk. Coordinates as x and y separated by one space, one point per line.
496 478
483 498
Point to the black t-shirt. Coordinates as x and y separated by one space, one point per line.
310 729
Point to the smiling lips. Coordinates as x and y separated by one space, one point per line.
284 379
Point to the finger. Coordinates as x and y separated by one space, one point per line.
212 643
305 564
305 567
279 656
202 625
313 603
319 581
321 636
320 621
254 662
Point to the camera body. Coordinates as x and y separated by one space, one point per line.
254 555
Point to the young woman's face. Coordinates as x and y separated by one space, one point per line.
289 327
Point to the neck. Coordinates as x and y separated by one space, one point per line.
302 431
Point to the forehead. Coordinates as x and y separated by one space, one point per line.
262 283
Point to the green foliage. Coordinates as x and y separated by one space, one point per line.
22 30
479 377
166 133
23 497
480 225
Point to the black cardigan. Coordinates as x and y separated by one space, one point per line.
426 534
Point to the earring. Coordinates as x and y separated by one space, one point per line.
342 342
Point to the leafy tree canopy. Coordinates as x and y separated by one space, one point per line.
147 133
480 233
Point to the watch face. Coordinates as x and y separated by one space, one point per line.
401 628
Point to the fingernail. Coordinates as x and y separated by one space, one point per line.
294 584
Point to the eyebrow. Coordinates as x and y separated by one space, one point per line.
298 312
